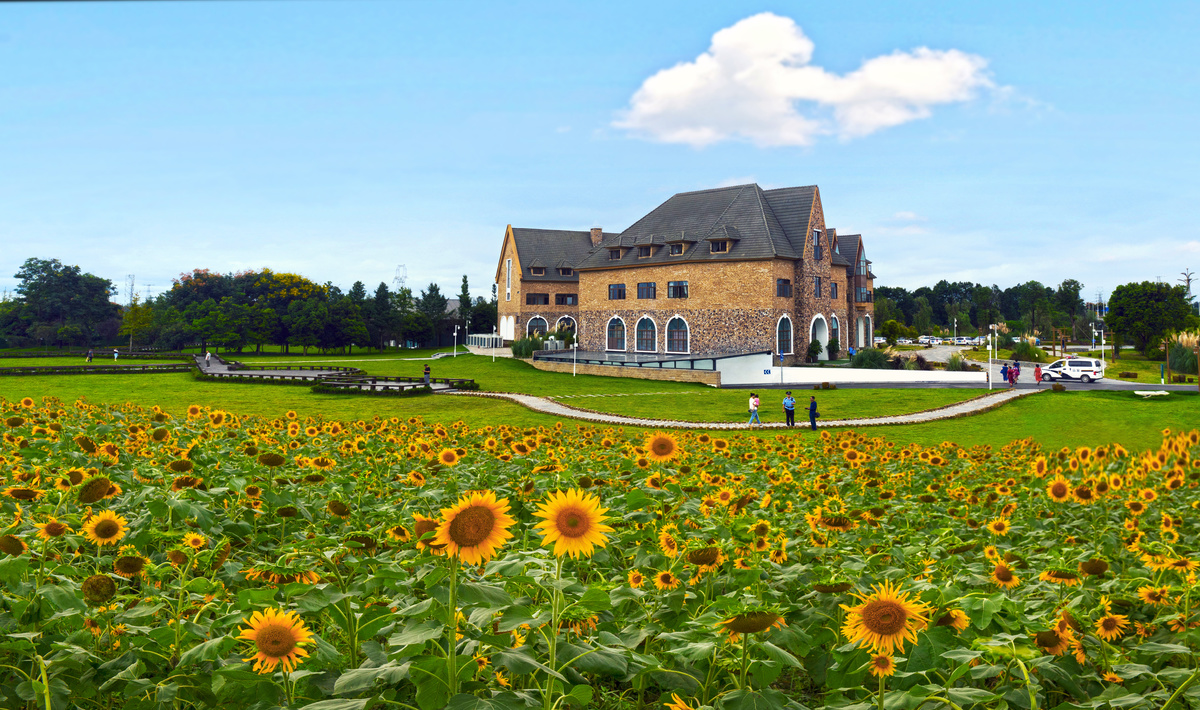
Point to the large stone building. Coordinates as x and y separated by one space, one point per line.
730 270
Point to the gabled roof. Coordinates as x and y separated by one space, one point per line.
540 247
746 215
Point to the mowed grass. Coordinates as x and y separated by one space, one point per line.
713 405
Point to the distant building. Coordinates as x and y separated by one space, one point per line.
728 270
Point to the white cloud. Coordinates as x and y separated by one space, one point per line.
755 79
905 216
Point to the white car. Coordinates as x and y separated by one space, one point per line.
962 340
935 341
879 341
904 341
924 339
1079 369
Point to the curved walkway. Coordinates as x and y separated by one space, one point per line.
545 405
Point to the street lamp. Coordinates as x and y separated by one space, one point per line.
493 344
991 347
956 327
574 355
455 341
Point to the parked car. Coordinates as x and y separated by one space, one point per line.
924 339
962 340
879 341
1079 369
935 341
904 341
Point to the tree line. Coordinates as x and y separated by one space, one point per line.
58 305
1138 314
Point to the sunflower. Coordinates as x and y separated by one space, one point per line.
1111 626
1084 494
752 622
194 541
1154 595
955 619
1059 489
271 459
23 493
1148 494
338 508
52 528
1056 641
13 545
323 463
1094 567
661 446
475 527
422 526
884 619
448 457
882 665
574 522
95 489
1065 577
999 526
779 556
677 703
667 543
98 589
665 580
277 636
129 564
105 528
636 579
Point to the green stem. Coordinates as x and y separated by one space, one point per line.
45 682
1181 690
183 571
879 702
452 627
745 657
939 699
547 701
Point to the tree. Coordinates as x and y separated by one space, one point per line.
1068 302
465 304
136 320
893 330
53 295
1144 313
923 320
886 310
432 305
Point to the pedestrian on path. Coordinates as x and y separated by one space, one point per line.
115 354
789 409
207 359
1004 373
1037 374
89 355
812 412
427 375
753 411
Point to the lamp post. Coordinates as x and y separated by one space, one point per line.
956 327
991 348
455 350
574 355
493 344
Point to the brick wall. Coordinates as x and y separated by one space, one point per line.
707 377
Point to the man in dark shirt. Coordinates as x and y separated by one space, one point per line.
812 412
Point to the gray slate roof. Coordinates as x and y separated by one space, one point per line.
761 224
552 249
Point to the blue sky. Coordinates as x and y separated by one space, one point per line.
340 139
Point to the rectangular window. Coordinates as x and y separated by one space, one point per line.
508 280
677 289
566 299
537 299
816 245
783 288
646 290
614 254
676 249
564 272
817 286
643 252
833 290
616 292
537 270
718 247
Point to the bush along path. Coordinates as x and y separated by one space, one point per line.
977 405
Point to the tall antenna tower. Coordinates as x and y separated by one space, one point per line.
401 277
129 285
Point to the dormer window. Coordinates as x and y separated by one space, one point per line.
816 245
537 270
676 249
614 254
719 246
565 272
643 252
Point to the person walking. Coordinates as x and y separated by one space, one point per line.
115 354
427 375
789 409
207 359
89 354
812 412
1037 374
753 404
1004 373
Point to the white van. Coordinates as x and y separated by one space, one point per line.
1079 369
924 339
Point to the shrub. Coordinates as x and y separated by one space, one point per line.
1059 387
1183 359
956 364
921 363
525 347
833 349
1153 352
870 359
814 350
1029 352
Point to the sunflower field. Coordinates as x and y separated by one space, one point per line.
213 560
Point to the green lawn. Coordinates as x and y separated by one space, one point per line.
715 405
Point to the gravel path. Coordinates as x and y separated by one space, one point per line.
548 406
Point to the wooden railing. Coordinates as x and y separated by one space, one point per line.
94 369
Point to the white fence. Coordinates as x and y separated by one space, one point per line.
760 370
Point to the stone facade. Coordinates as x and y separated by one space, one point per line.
512 312
707 377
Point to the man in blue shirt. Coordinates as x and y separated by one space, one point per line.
789 409
812 412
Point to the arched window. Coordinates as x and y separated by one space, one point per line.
834 336
536 327
616 334
647 336
783 336
566 324
677 336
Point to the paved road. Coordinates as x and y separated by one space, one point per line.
558 409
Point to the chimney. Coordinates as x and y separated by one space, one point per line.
597 236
